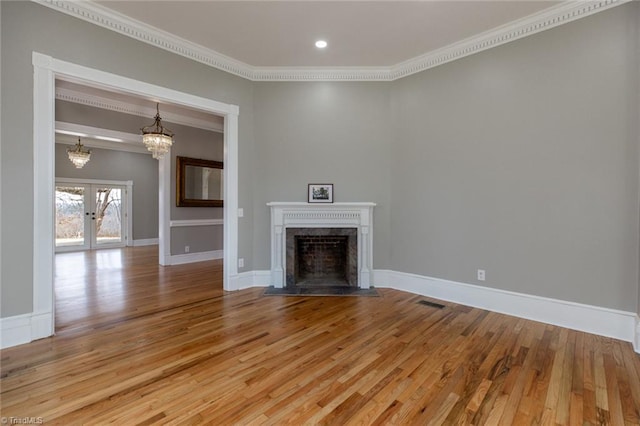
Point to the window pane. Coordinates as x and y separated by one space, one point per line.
108 215
69 216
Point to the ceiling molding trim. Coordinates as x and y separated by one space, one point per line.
74 96
533 24
114 21
321 74
549 18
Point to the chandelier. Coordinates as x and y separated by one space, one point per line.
78 156
157 138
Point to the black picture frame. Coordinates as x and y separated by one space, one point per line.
320 193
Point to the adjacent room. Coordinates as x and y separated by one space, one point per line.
308 212
109 202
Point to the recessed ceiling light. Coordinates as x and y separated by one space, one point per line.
321 44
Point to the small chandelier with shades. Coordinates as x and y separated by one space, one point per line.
78 156
157 138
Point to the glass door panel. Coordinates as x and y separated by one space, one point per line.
90 216
71 217
107 216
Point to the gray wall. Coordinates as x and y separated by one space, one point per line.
322 133
70 112
194 143
28 27
107 164
206 145
523 160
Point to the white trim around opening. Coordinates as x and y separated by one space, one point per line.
46 70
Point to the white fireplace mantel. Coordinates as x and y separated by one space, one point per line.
319 215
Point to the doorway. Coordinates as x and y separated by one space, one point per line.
46 70
91 215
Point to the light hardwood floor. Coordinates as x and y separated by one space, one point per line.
141 344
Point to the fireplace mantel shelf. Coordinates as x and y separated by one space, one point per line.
357 215
296 204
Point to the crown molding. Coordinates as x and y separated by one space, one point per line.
321 74
114 21
546 19
93 100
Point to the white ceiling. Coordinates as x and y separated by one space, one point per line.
269 40
360 33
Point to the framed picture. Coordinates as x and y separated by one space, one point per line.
321 193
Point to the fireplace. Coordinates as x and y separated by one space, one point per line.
326 232
322 257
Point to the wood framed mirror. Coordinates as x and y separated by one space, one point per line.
199 183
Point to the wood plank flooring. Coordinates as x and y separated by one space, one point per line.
141 344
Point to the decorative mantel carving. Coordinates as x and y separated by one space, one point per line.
335 215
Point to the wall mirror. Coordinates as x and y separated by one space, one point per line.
198 183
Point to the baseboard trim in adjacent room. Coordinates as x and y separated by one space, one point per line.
25 328
591 319
636 341
180 259
145 242
254 279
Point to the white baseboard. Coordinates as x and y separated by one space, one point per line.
254 279
146 242
179 259
620 325
20 329
16 330
591 319
636 341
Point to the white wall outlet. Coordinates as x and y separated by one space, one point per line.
186 249
241 263
241 212
481 274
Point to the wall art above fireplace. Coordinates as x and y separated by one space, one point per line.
320 193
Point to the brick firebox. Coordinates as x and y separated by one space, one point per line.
322 257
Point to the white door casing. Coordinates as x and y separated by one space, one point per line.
46 70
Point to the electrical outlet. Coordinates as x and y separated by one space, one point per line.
186 249
481 274
240 212
241 263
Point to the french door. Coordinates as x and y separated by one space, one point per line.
90 215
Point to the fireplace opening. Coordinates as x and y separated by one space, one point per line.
321 260
322 257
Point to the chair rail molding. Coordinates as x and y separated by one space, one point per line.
195 222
